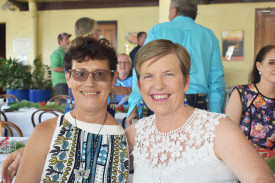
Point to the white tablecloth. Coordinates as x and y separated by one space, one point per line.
119 117
23 120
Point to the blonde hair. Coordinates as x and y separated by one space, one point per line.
124 54
159 48
84 26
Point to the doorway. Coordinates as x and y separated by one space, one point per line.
264 28
109 31
2 40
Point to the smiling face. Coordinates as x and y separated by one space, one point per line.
91 95
123 65
162 84
267 67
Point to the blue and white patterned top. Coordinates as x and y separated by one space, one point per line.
80 154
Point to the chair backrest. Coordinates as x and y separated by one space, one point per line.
4 116
37 115
59 98
9 96
5 119
8 126
123 123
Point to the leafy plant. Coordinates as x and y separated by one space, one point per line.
8 146
271 163
14 74
41 75
28 104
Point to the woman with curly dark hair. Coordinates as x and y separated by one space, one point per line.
86 144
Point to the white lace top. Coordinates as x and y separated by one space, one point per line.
182 155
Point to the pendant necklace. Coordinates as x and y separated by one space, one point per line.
81 173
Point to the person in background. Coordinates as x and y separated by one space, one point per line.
86 144
207 75
124 75
141 36
252 106
84 27
57 65
180 143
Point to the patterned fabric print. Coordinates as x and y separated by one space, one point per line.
258 117
80 156
162 153
119 164
64 146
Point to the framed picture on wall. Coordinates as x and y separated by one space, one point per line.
232 45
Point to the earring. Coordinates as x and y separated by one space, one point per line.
185 102
70 96
113 101
260 72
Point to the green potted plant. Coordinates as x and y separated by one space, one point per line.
15 78
41 83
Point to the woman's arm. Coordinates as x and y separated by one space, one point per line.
11 164
133 115
35 153
234 107
131 134
120 90
238 154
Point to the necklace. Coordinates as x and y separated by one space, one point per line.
81 173
177 130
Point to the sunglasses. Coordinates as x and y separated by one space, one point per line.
82 75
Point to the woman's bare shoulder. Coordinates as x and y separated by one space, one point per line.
131 134
46 126
43 132
36 151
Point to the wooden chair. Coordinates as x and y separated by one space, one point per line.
4 116
123 123
59 99
8 126
5 119
9 96
40 112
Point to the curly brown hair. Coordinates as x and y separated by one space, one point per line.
84 48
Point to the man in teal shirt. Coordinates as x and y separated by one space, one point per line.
57 65
207 75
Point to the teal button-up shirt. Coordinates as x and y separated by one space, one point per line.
207 75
